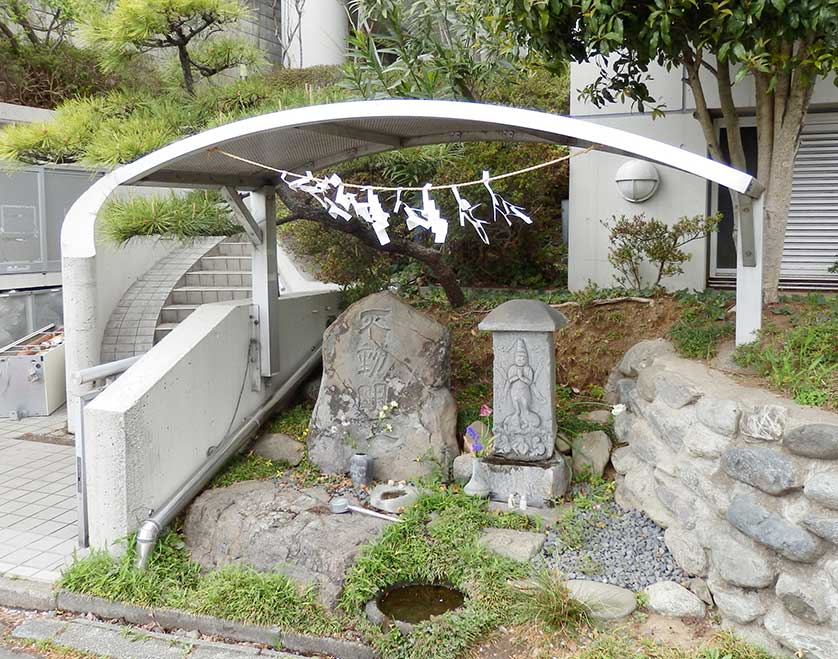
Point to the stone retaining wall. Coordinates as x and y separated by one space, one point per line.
746 484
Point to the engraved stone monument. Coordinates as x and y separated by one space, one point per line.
386 371
524 461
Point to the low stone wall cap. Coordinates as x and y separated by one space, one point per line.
523 316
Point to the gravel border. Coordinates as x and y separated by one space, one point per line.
620 547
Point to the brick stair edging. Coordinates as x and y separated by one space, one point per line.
131 325
33 595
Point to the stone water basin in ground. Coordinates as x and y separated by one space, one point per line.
406 605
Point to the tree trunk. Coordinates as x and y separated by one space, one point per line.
777 202
186 70
441 271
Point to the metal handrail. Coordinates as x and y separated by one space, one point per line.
85 376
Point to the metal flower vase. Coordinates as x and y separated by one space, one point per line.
360 469
477 485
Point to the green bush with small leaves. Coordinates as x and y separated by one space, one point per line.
637 241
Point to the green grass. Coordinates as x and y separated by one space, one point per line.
437 543
702 324
548 602
249 467
620 645
178 216
803 360
172 579
293 421
588 495
238 592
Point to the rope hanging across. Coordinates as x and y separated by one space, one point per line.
331 193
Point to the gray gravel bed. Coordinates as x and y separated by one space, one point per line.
621 547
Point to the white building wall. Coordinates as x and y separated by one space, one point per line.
320 39
593 193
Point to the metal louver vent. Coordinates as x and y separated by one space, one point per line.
811 245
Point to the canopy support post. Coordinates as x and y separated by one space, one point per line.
749 259
242 215
262 204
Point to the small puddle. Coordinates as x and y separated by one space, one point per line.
393 494
414 603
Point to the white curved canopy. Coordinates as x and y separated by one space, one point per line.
324 135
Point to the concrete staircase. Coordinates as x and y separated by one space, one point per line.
223 273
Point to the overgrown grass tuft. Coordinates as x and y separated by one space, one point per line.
548 602
184 217
238 592
249 467
703 323
172 579
802 361
167 581
293 421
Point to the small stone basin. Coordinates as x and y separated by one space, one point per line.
406 605
393 498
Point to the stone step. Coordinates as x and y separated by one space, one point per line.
162 330
234 249
176 313
205 294
125 642
204 278
217 262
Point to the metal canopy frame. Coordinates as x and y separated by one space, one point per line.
315 137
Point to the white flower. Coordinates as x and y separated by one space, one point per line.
388 428
617 410
344 423
334 428
394 404
382 414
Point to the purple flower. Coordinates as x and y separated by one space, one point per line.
476 446
472 433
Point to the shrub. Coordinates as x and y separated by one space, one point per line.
45 77
183 217
123 125
636 240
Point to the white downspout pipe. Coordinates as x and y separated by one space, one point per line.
150 529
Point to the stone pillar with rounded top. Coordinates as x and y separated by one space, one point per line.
524 460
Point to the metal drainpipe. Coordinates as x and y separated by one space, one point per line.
150 529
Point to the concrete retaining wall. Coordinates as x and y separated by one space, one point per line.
152 428
746 484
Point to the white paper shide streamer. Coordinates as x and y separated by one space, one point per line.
331 194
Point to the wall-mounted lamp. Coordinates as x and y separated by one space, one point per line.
637 180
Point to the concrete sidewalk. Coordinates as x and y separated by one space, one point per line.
125 642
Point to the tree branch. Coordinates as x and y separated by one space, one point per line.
734 135
445 276
705 120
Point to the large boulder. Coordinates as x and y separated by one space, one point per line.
276 528
386 371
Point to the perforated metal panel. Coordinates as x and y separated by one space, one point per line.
33 203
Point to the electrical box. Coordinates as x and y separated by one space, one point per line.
32 375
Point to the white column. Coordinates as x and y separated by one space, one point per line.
81 338
262 205
749 283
